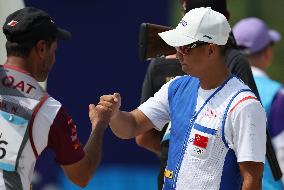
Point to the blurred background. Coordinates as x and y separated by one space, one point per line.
102 58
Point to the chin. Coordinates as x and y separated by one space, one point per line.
41 78
190 72
186 70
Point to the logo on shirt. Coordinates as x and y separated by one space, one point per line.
210 113
200 146
183 22
198 151
200 141
74 136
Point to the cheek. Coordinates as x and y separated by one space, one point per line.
48 62
179 56
199 56
51 59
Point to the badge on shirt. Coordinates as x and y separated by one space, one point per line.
200 141
200 145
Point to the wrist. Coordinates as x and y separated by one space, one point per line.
115 115
99 125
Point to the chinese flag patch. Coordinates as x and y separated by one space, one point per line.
200 141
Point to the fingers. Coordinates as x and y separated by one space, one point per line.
117 97
110 101
92 111
108 98
111 98
92 107
106 109
101 108
99 116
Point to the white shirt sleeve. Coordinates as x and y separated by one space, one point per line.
245 131
43 121
157 108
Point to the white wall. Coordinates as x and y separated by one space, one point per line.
7 7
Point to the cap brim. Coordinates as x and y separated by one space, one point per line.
274 35
63 34
175 38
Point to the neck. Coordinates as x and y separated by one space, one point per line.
257 63
19 63
213 79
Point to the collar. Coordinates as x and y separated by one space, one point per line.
257 72
17 69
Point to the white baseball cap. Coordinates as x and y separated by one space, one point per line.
200 24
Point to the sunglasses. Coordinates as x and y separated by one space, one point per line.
186 48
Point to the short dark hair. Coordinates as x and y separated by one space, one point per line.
23 49
224 49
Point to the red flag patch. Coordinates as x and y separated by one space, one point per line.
200 141
13 23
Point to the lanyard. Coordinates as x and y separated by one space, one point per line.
208 99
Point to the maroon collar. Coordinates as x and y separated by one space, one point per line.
17 69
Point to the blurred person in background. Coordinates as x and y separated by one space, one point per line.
255 39
161 70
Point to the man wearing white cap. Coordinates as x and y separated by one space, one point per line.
255 40
218 125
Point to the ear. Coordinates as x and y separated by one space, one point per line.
41 48
268 53
212 49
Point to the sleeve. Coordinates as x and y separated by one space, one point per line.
156 108
246 133
278 145
239 66
63 139
147 87
276 127
276 119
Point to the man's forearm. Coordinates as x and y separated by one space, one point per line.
249 184
123 125
151 140
93 147
252 175
127 125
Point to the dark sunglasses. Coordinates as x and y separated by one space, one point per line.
186 48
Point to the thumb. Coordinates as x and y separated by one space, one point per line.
92 107
116 97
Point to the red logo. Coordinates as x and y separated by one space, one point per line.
210 113
13 23
200 141
77 145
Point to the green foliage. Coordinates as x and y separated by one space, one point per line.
272 13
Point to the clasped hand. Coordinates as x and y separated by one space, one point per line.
106 109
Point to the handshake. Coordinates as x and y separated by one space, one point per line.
106 109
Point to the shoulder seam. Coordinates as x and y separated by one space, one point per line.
242 100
